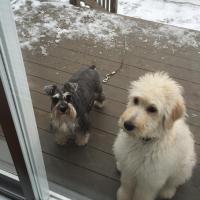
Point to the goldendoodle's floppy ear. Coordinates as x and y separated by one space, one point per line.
177 112
50 89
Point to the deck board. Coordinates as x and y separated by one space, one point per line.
80 180
85 157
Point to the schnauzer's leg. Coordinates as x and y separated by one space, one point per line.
82 138
54 123
60 138
99 101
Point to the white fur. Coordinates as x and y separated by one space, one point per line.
157 167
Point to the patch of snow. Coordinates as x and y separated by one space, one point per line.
180 13
82 4
194 2
171 34
16 4
50 22
194 115
44 51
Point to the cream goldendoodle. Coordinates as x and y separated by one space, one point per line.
155 148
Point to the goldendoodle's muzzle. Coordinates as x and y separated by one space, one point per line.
129 126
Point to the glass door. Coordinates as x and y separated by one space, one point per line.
22 171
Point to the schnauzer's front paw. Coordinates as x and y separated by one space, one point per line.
99 104
51 127
167 193
60 141
82 139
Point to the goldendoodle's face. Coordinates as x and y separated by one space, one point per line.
155 103
141 117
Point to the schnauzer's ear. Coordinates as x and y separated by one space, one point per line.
71 87
177 112
50 89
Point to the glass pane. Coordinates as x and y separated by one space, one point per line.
6 162
51 55
10 186
57 40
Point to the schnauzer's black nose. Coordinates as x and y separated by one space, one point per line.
63 108
128 125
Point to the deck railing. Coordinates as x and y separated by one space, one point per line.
109 5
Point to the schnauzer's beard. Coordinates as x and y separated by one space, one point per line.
64 122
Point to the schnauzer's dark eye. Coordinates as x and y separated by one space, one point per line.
68 98
55 99
136 100
151 109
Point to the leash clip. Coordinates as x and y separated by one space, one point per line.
108 76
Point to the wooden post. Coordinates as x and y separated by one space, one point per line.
104 4
99 2
107 5
73 2
113 6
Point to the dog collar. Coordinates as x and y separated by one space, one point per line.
146 139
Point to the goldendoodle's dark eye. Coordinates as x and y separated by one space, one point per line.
136 100
151 109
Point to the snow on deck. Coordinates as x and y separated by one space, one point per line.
180 13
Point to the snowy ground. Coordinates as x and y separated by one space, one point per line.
181 13
50 22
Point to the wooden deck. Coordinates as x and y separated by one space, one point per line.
91 170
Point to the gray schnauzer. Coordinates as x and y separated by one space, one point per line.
72 103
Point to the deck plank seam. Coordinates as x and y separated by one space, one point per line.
85 168
137 56
106 71
91 146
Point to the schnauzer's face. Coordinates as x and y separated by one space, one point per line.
155 103
61 101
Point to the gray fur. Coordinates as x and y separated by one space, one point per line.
81 91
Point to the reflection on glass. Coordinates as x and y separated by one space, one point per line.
6 162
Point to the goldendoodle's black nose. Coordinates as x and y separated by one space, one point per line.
128 125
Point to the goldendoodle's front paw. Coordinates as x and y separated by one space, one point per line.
167 193
118 166
123 194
